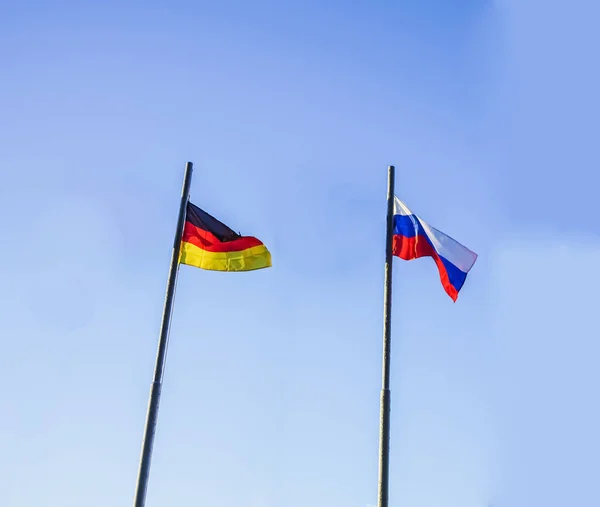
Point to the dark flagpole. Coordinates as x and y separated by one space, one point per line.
384 424
155 389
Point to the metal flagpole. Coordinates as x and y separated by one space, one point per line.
384 424
151 419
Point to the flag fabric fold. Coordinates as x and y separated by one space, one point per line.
209 244
413 238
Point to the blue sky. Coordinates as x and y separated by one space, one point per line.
291 112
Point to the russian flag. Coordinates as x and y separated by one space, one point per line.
413 238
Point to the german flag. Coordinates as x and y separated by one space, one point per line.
209 244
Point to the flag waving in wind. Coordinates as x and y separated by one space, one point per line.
209 244
413 238
204 242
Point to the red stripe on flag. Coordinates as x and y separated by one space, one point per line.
209 242
417 247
